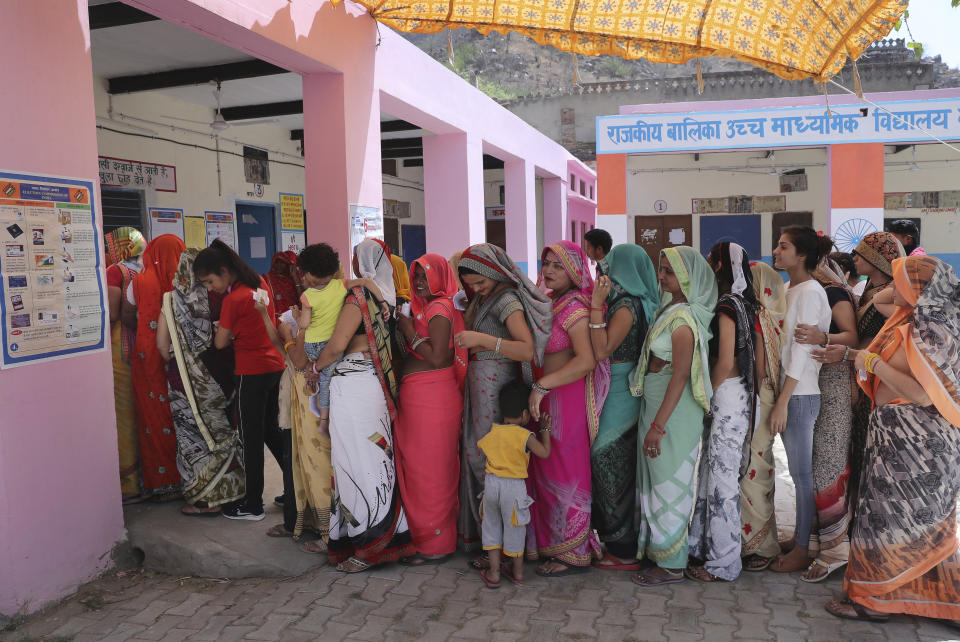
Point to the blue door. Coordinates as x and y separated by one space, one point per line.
256 235
414 242
740 228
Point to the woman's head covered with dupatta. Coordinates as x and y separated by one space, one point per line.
698 284
123 244
928 299
162 258
732 266
632 273
438 280
879 249
371 260
401 278
574 261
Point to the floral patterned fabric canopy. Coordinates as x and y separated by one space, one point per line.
790 38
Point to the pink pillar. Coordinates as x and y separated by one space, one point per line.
453 192
554 210
341 137
60 511
520 199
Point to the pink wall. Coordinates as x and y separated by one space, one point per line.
59 488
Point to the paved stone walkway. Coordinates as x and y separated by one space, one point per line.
450 601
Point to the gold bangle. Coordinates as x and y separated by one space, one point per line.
286 346
868 364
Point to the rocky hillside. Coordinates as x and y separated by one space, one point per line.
509 66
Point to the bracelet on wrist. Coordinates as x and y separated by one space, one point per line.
846 354
541 389
596 326
496 348
654 427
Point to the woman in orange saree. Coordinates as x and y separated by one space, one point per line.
158 439
903 547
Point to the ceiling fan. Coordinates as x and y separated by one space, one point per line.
219 123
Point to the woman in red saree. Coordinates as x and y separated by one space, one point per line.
903 547
158 439
283 281
427 429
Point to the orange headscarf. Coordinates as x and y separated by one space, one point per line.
927 328
160 262
443 286
401 281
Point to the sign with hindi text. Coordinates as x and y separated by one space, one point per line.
291 211
897 122
120 172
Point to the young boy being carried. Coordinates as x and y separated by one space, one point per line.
506 506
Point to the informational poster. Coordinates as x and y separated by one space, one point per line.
365 223
220 226
51 291
166 221
496 213
292 241
291 211
194 232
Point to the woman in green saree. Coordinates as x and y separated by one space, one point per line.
672 379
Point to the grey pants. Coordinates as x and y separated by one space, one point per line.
505 514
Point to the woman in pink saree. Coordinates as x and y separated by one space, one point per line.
571 388
427 429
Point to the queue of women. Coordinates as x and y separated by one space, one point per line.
666 386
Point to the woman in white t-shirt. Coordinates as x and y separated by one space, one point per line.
795 411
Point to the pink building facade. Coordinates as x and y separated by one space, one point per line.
59 491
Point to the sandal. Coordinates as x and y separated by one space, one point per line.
479 563
359 565
279 531
615 564
756 563
506 570
701 574
486 580
648 579
316 546
817 562
837 608
778 567
566 570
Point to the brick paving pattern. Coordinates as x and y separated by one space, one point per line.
449 601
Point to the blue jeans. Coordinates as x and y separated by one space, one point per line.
313 351
802 411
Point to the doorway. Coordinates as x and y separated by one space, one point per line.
256 235
654 233
743 229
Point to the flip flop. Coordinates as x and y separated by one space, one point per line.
359 564
645 578
830 569
701 574
858 609
479 563
490 584
617 565
279 531
567 570
756 563
506 570
424 561
316 546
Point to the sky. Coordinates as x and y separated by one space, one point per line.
936 25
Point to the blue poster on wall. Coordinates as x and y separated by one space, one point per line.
737 228
51 292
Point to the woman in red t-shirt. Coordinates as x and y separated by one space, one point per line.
259 367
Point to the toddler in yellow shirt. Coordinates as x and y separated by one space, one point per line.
506 506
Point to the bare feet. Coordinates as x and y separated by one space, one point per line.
796 560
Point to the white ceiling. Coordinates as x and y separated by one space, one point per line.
150 47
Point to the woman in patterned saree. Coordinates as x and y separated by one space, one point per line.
631 295
124 246
509 321
903 546
158 440
367 522
201 388
673 379
571 389
714 535
757 517
431 410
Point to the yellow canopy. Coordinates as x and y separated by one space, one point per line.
791 38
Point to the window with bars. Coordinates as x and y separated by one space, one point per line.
121 207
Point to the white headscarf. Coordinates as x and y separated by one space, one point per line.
736 265
375 265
